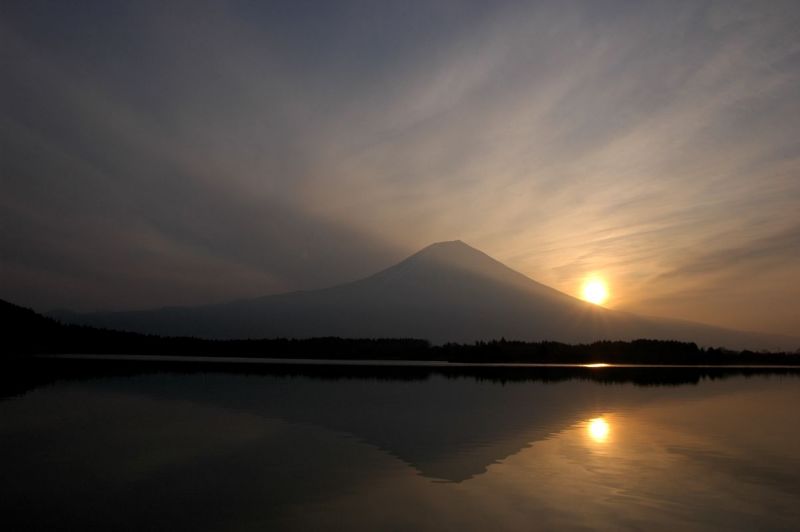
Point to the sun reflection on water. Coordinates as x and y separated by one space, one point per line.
598 429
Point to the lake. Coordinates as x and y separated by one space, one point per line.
285 447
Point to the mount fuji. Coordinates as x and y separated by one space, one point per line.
447 292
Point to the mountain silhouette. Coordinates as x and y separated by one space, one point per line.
447 292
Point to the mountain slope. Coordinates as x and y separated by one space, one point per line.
447 292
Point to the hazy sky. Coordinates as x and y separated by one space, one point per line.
189 152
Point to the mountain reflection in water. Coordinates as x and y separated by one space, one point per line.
213 449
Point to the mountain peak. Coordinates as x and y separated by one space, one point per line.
449 249
454 253
457 257
447 244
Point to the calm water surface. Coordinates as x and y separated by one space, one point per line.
226 451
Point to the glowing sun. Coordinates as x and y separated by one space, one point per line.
595 291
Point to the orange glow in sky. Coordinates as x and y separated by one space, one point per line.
595 291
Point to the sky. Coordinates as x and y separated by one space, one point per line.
181 153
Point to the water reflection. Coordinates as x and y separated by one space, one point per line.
25 374
276 452
598 429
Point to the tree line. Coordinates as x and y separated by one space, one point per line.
29 333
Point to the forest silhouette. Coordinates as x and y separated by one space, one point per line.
29 333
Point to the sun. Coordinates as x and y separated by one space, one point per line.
595 291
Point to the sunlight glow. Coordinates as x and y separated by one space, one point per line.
598 429
595 291
596 365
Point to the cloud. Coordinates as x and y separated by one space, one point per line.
280 147
777 247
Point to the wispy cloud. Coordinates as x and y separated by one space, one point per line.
654 143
